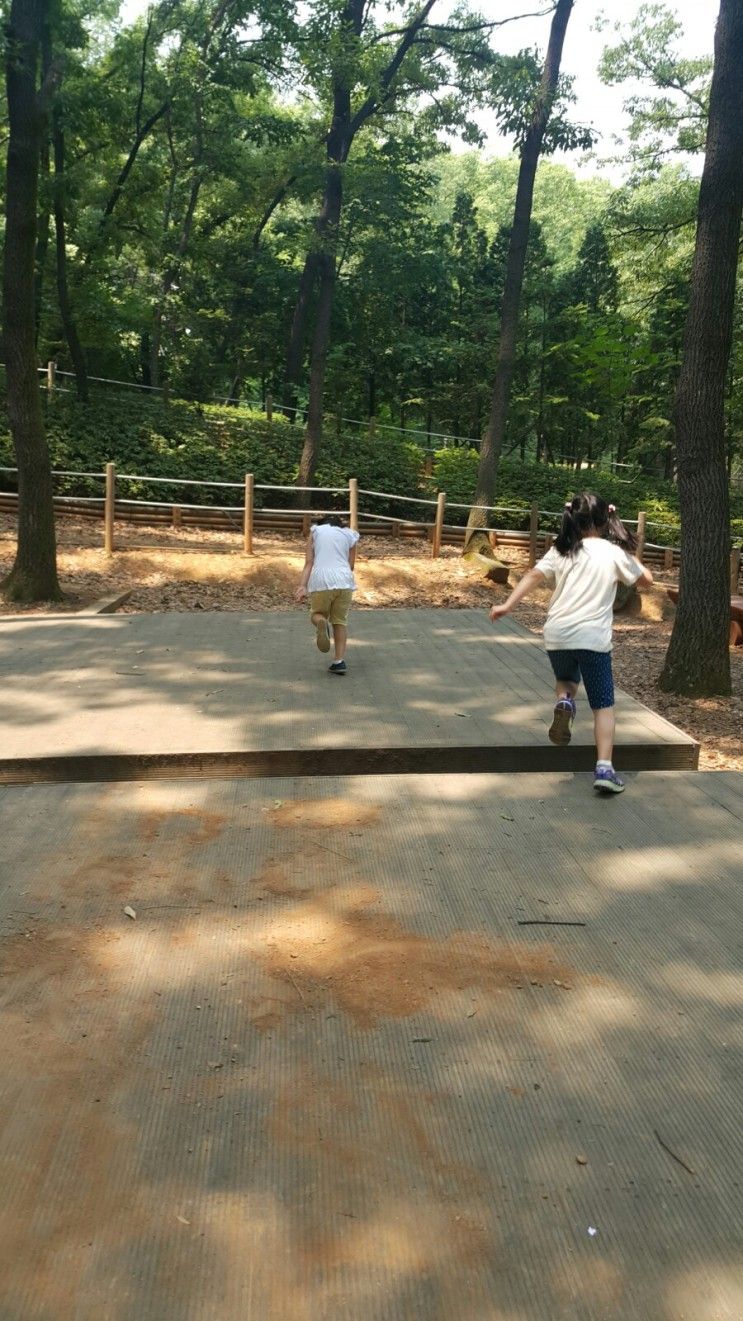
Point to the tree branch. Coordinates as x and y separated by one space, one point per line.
367 108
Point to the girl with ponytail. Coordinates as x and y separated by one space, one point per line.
592 553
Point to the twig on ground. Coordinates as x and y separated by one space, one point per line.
677 1159
297 989
547 922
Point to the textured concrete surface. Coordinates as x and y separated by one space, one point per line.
325 1074
174 685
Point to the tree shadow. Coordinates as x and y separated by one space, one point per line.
326 1073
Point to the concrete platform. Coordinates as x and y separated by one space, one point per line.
326 1074
126 697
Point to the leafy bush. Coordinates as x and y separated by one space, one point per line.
217 443
206 443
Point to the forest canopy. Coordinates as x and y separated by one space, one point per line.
185 165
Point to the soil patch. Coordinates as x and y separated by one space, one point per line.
372 967
325 813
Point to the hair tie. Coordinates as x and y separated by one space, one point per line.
612 509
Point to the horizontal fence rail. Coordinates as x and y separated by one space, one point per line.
534 540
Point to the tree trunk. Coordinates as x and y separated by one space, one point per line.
42 235
169 279
698 658
295 349
372 388
321 336
343 128
33 576
492 444
77 354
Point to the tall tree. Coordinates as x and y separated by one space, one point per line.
698 659
370 73
34 573
531 148
69 324
321 261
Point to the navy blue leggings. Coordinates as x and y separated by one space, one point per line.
593 667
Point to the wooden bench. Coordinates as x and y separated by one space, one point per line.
736 616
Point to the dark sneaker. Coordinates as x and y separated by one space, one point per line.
606 780
338 667
562 722
322 635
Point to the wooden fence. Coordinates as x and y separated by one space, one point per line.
247 518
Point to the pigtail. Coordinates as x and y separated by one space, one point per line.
618 533
569 536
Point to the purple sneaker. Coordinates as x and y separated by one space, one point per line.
562 721
606 780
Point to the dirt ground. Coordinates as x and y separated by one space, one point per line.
196 570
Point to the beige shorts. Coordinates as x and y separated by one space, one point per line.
335 605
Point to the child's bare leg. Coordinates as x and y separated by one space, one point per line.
340 637
564 686
603 727
322 632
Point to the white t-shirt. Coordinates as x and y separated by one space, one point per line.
580 612
331 571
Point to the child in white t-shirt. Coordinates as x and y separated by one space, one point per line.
591 554
327 577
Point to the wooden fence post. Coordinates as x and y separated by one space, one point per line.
438 526
108 509
734 571
269 408
372 427
533 534
641 521
668 559
51 376
353 503
176 516
248 514
428 464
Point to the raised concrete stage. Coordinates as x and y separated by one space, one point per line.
140 696
331 1072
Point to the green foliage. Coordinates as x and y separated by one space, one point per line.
523 484
210 443
673 114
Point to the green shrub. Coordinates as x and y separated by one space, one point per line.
150 438
211 442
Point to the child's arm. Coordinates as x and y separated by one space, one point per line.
309 560
534 578
646 578
352 557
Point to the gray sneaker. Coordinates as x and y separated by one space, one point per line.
606 780
560 731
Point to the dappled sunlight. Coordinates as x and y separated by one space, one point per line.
254 683
326 1068
707 1292
716 986
654 868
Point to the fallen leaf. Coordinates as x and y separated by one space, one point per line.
130 912
183 1220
